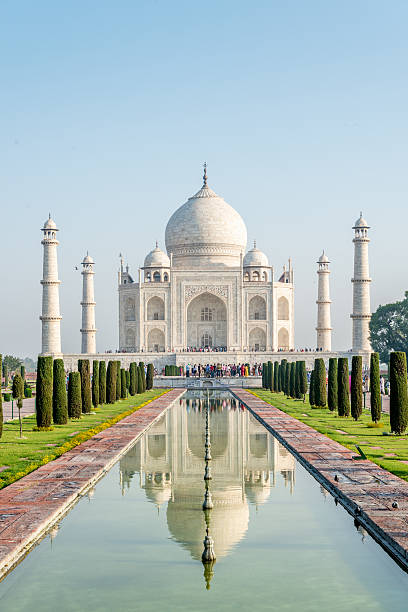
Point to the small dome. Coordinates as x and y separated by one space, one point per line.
361 222
88 259
256 258
157 259
50 224
323 258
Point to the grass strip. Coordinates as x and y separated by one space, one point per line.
388 451
19 457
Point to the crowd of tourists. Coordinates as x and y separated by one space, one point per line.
221 370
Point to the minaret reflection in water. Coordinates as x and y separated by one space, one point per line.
246 462
208 557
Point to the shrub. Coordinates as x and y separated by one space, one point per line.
17 387
133 379
343 399
111 383
332 384
375 388
74 395
139 380
102 382
43 400
95 384
292 380
398 392
150 376
1 400
311 389
270 376
143 375
122 383
84 370
28 392
276 377
356 387
59 394
118 381
320 397
7 397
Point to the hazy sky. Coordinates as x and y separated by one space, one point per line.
109 109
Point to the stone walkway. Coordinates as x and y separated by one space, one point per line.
367 491
27 409
31 505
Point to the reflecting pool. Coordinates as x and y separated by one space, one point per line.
135 542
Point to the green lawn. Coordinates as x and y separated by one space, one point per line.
356 432
22 456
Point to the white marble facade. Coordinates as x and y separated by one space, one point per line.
206 292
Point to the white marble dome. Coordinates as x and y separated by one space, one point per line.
323 258
50 224
157 259
361 222
88 259
255 258
205 231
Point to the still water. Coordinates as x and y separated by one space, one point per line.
135 542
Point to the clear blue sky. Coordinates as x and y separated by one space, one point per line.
108 110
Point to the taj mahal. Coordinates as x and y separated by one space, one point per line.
205 293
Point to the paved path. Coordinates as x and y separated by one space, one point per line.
31 505
28 408
362 487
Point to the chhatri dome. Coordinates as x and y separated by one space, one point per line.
361 222
255 258
157 259
206 231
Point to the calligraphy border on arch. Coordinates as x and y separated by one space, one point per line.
192 291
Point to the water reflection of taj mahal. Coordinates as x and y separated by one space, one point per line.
246 460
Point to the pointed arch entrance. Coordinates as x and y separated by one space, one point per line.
206 322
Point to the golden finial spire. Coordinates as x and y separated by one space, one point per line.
205 175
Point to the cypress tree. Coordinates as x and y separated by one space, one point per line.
84 370
398 392
143 375
95 384
74 395
282 383
127 372
332 391
356 387
1 400
43 400
139 380
276 377
111 383
292 380
311 389
150 376
122 383
133 379
22 372
343 399
118 381
287 379
298 380
375 388
5 374
270 376
59 394
263 376
302 380
320 383
18 394
102 382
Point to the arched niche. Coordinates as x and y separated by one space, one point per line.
283 309
206 318
257 309
257 339
155 309
283 339
155 341
130 338
129 309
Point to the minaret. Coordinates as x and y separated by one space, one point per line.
361 288
88 330
50 317
323 302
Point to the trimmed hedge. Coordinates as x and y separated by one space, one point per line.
312 389
102 382
28 392
111 383
59 394
1 400
276 377
282 380
149 376
122 383
118 381
74 395
398 392
343 399
320 396
375 387
84 369
356 387
270 376
95 384
133 379
43 400
302 380
292 380
142 372
332 384
139 381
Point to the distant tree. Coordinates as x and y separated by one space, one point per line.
311 389
133 379
5 374
84 369
149 376
111 383
398 392
302 380
389 328
74 395
143 375
356 386
102 382
343 398
332 391
59 394
18 394
139 380
292 379
375 388
118 381
270 376
1 400
12 363
43 400
123 383
320 395
95 384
